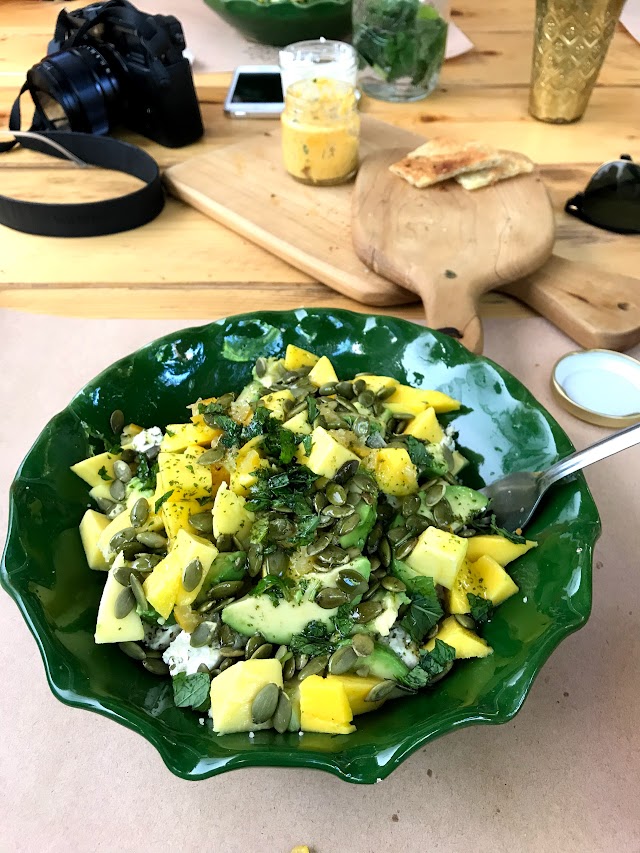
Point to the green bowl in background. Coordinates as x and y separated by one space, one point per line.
282 22
501 429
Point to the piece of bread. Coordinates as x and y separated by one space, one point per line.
511 164
441 158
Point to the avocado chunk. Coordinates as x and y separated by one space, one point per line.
440 461
227 566
465 503
383 662
277 623
405 573
358 536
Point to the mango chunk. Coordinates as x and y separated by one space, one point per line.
295 358
230 515
92 526
327 455
101 491
175 516
357 687
183 477
425 426
177 437
394 471
109 629
323 372
466 643
233 691
248 461
438 554
377 383
163 588
416 400
277 403
500 549
96 469
153 523
324 706
299 424
497 585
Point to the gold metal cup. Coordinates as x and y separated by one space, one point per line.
571 41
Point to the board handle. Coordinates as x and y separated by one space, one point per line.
598 309
453 312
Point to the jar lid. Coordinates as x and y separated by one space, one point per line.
599 386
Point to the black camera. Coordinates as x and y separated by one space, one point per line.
110 64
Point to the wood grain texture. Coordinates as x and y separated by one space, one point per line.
447 244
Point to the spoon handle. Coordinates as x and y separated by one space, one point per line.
600 450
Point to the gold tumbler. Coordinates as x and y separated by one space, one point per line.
571 41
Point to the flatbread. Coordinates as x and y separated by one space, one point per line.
441 158
511 164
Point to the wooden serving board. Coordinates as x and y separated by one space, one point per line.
244 187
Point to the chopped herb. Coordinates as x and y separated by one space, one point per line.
305 530
313 640
286 490
103 474
312 409
190 468
435 661
481 608
307 443
232 431
415 678
162 499
424 611
169 432
275 587
191 691
425 461
486 524
257 424
343 620
98 441
146 473
150 614
205 500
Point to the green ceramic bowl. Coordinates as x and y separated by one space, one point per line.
502 428
282 22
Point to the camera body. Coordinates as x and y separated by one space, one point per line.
134 60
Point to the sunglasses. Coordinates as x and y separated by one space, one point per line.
612 198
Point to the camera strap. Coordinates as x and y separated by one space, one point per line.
87 219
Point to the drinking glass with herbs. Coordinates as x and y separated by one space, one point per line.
403 45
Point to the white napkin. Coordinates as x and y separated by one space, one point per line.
630 18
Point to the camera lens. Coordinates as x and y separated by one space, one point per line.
77 89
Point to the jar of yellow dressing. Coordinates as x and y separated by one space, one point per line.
320 131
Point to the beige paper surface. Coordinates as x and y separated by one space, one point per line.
563 776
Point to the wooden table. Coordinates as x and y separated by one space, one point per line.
185 265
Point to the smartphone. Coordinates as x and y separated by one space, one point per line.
255 92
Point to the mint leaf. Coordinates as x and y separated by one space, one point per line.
305 530
481 608
103 474
313 640
307 444
343 620
435 662
425 609
162 499
275 587
415 679
191 691
486 524
232 431
147 473
312 409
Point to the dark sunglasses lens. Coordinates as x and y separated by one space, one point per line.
611 199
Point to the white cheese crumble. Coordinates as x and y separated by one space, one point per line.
147 439
159 636
183 657
401 643
449 439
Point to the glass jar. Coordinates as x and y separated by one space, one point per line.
320 131
403 44
318 58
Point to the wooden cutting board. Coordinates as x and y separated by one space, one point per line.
244 187
447 244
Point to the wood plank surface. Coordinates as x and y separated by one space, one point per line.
184 262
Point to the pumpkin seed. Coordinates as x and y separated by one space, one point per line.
375 586
133 650
434 494
320 501
262 652
281 528
118 490
345 389
447 669
346 525
316 666
354 552
380 691
346 471
203 668
192 575
125 602
361 427
225 664
153 452
385 393
105 505
116 421
253 643
230 652
373 539
224 589
432 632
227 635
397 534
375 563
202 522
301 660
466 621
155 666
152 540
282 652
282 713
331 597
363 645
366 398
139 512
204 634
393 584
362 671
264 705
132 549
137 590
327 389
384 552
336 495
225 543
351 582
128 455
277 563
288 669
255 559
120 539
359 386
122 574
318 545
320 422
342 660
332 556
417 523
410 505
405 549
324 521
366 611
122 471
347 405
338 511
442 514
146 562
115 510
206 607
210 457
261 367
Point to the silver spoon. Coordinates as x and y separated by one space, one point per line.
515 497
